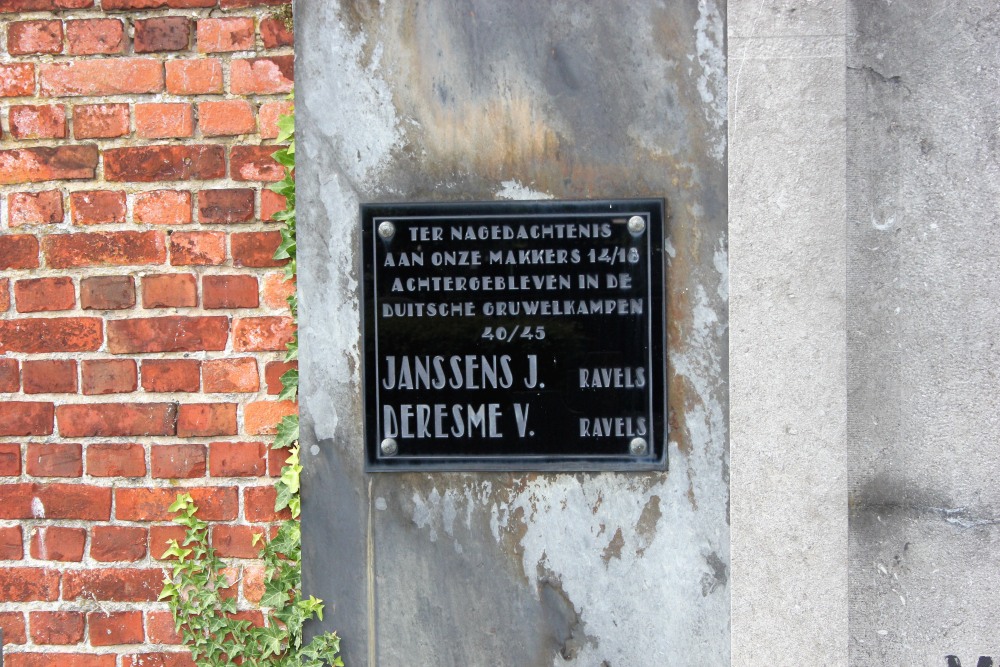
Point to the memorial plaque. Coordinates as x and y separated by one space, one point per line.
514 335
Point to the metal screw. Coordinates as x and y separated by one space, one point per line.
637 224
389 447
637 447
386 230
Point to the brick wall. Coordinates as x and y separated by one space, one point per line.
142 318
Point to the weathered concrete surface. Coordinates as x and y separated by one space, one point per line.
923 239
787 263
460 99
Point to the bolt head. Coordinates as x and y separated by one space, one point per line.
386 230
637 447
637 224
389 447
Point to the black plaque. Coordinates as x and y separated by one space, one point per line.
514 335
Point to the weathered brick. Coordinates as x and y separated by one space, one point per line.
168 375
230 291
260 334
277 289
107 292
44 294
17 79
164 120
34 208
236 541
12 624
115 628
253 582
254 163
170 290
122 544
270 203
243 4
206 419
258 505
163 207
28 584
273 372
176 659
234 33
41 121
225 206
97 207
262 76
114 419
262 417
11 548
237 459
49 376
10 460
95 36
197 248
165 33
17 6
56 627
168 334
26 418
114 585
57 459
223 376
104 249
160 628
115 459
47 163
55 501
194 77
4 298
58 543
225 117
100 121
51 334
61 659
256 249
268 117
108 376
113 76
215 503
180 461
18 251
274 33
160 536
114 5
143 164
34 37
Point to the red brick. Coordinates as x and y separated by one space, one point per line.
223 376
268 117
206 419
254 163
58 543
194 77
253 582
11 548
226 34
110 544
164 120
56 459
51 334
42 294
215 503
237 459
116 459
28 584
236 541
163 207
25 418
55 501
181 461
144 164
277 289
274 33
260 334
107 292
34 208
273 372
160 536
242 4
262 76
158 660
17 79
10 460
167 375
113 419
47 163
168 334
225 206
97 207
12 626
262 417
113 585
226 117
170 290
64 251
18 251
113 76
165 33
44 121
270 203
49 376
109 376
115 628
95 36
56 627
258 505
31 37
197 248
230 291
256 249
160 628
4 306
100 121
17 6
109 5
61 659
